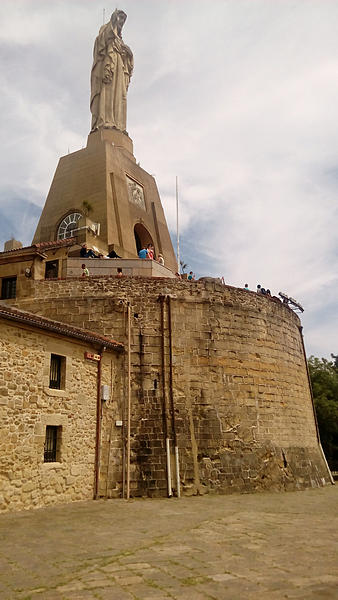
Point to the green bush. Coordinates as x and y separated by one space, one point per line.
324 379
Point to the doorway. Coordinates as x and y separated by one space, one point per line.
142 237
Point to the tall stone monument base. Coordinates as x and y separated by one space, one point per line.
104 183
216 371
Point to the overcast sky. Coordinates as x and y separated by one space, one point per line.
239 98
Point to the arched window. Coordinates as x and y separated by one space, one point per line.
67 225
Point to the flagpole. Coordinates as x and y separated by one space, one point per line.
177 231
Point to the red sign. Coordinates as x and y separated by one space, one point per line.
91 356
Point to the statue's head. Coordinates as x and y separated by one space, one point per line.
118 19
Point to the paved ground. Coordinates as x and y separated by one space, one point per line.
264 546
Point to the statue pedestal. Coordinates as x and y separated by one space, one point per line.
104 182
116 138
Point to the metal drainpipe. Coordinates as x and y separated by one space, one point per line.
111 430
313 407
98 427
177 462
128 404
165 407
108 459
124 415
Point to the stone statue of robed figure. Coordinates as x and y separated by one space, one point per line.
112 68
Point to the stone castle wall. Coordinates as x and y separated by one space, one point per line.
28 405
241 400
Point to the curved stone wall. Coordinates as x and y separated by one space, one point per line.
235 382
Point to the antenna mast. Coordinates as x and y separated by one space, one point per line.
177 231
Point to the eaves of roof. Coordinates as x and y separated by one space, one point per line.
20 316
38 248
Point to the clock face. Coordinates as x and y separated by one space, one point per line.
67 225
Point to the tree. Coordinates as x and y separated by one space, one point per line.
183 266
335 360
324 379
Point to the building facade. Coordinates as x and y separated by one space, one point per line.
51 409
220 397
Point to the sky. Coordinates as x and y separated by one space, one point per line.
237 98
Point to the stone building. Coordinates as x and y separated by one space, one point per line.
219 385
52 379
211 393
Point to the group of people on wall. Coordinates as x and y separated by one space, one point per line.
85 271
86 252
149 252
146 252
259 290
262 291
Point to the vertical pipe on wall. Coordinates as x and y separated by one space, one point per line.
165 407
314 409
124 415
123 454
98 428
177 464
167 449
172 403
128 403
111 430
108 458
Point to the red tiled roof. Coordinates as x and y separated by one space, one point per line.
20 316
56 243
44 245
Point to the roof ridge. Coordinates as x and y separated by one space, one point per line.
40 245
22 316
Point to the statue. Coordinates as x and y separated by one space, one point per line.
111 71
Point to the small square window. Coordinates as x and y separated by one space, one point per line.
52 269
57 372
8 288
52 444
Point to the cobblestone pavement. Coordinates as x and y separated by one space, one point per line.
265 546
